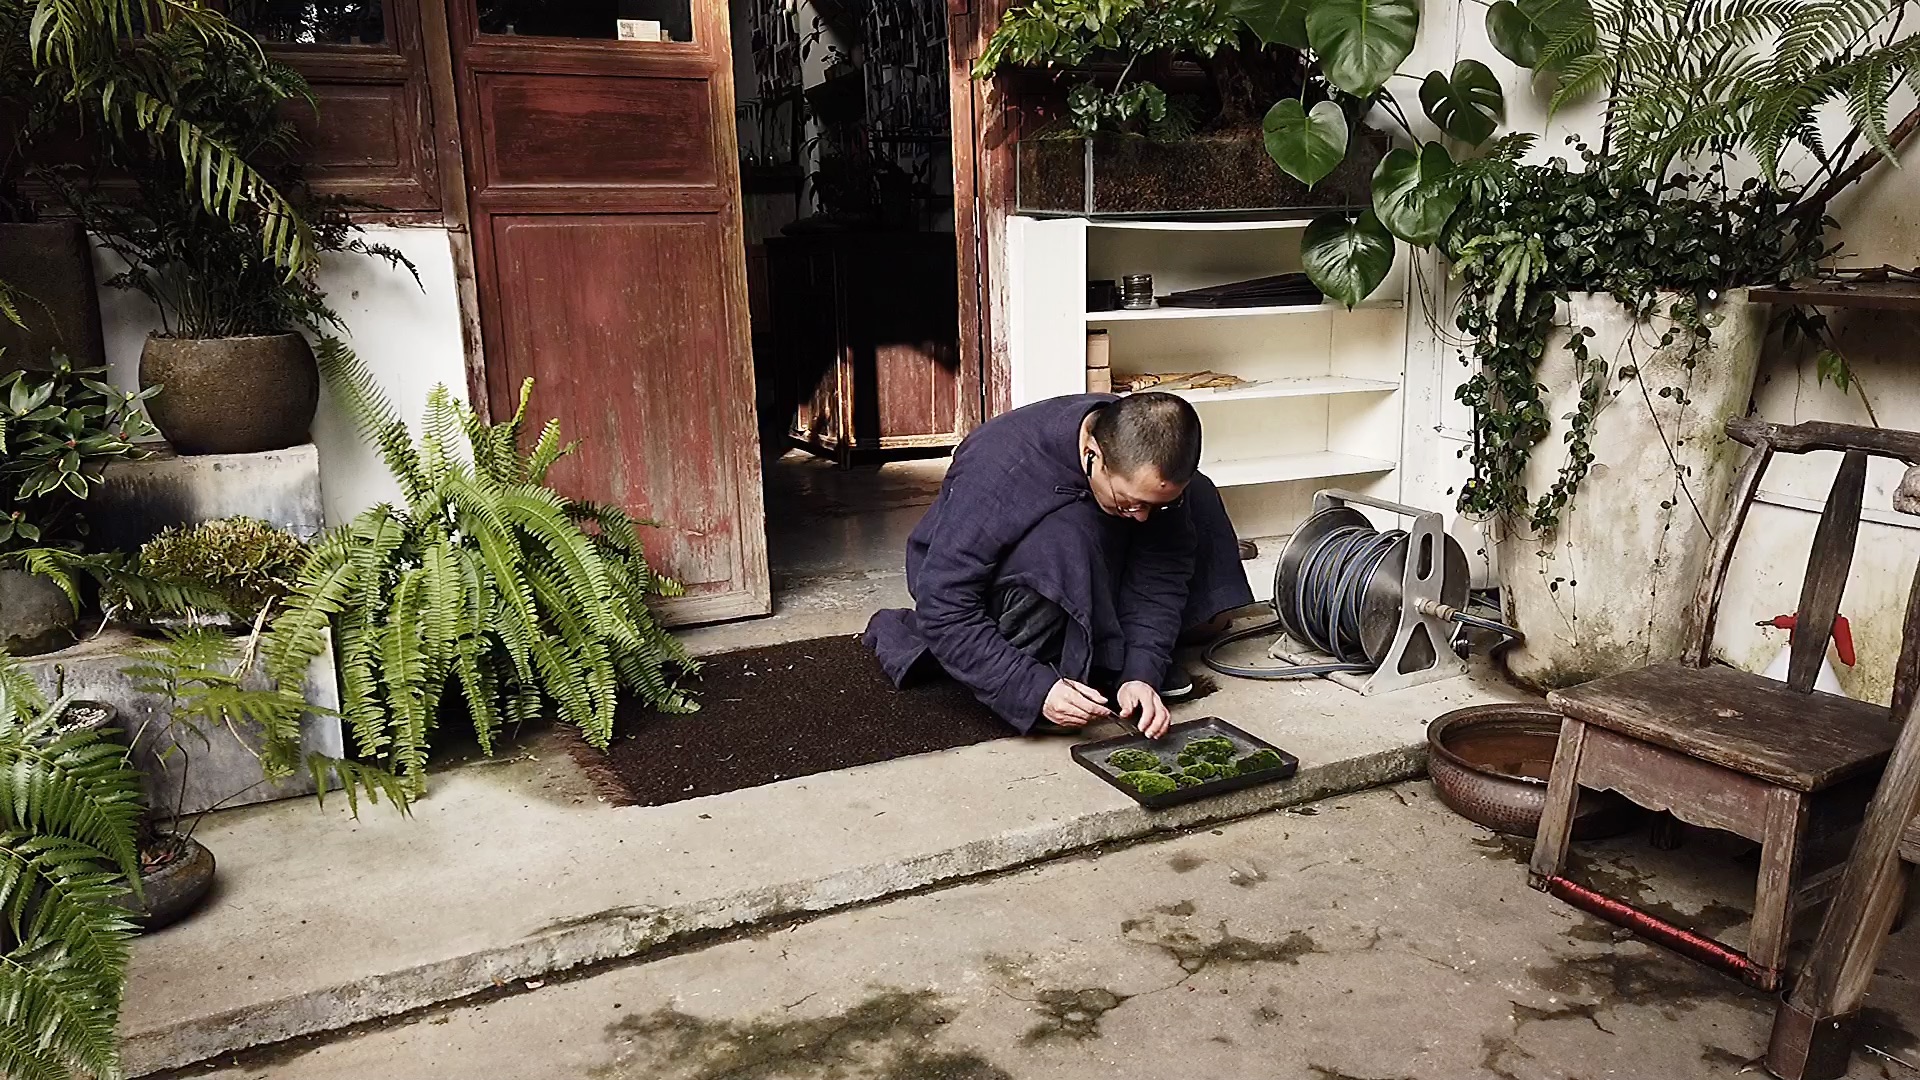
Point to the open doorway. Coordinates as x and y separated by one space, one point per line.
847 180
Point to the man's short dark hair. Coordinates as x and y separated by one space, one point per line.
1150 429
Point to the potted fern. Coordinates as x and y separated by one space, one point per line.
72 66
233 370
1603 294
68 807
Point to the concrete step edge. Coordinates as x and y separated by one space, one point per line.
628 933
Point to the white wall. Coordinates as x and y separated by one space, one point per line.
1880 223
409 337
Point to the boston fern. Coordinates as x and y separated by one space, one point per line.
483 581
69 804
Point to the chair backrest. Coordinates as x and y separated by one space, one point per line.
1833 541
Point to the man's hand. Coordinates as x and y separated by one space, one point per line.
1073 704
1139 698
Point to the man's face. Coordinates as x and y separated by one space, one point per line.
1136 495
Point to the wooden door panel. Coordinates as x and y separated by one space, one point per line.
611 269
542 123
605 315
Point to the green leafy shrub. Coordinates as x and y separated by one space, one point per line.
247 562
483 579
59 430
1149 783
1130 759
68 807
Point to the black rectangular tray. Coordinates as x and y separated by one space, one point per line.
1093 756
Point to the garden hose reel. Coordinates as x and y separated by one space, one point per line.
1373 610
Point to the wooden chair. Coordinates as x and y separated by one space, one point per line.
1777 763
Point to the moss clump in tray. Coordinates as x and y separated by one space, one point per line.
1257 762
1149 783
1129 759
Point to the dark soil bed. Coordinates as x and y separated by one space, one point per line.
780 712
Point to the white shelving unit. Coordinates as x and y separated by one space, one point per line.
1325 405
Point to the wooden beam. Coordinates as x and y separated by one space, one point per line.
1821 435
1827 567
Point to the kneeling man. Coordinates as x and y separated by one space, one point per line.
1071 544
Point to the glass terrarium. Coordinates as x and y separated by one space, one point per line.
1218 174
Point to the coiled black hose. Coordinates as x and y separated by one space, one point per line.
1325 602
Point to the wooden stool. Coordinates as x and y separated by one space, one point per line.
1778 763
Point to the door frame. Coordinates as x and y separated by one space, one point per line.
984 130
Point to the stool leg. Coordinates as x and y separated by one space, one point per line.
1773 898
1563 798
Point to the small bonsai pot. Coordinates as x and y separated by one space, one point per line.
82 714
1491 763
35 616
240 395
176 873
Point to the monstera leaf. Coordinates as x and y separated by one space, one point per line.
1523 29
1361 42
1407 194
1347 259
1308 145
1276 22
1467 105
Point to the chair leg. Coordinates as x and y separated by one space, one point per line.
1563 798
1911 902
1773 899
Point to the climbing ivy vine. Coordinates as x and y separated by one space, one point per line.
1527 236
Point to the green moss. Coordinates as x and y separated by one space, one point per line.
1188 780
1204 770
1130 759
1214 748
247 562
1257 762
1149 783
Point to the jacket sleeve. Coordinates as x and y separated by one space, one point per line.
1153 595
955 574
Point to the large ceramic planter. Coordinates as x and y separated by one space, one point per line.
51 265
1223 172
1610 588
35 616
241 395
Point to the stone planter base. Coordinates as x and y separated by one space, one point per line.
35 616
1611 588
184 775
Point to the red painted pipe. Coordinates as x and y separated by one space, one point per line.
1661 932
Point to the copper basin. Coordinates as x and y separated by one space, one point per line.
1491 764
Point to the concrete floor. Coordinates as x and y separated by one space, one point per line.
1372 937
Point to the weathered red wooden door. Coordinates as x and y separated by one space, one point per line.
605 205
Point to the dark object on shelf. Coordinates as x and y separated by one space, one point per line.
1103 295
1777 763
746 734
1136 292
1885 295
1225 172
771 179
174 889
1278 290
240 395
51 265
1490 764
1093 757
82 714
865 352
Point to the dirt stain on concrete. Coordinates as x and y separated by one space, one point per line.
1721 1057
1527 1014
1179 910
1643 977
1620 881
1321 1072
1183 863
1883 1029
1071 1014
891 1035
1195 953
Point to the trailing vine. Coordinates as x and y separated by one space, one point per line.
1528 236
